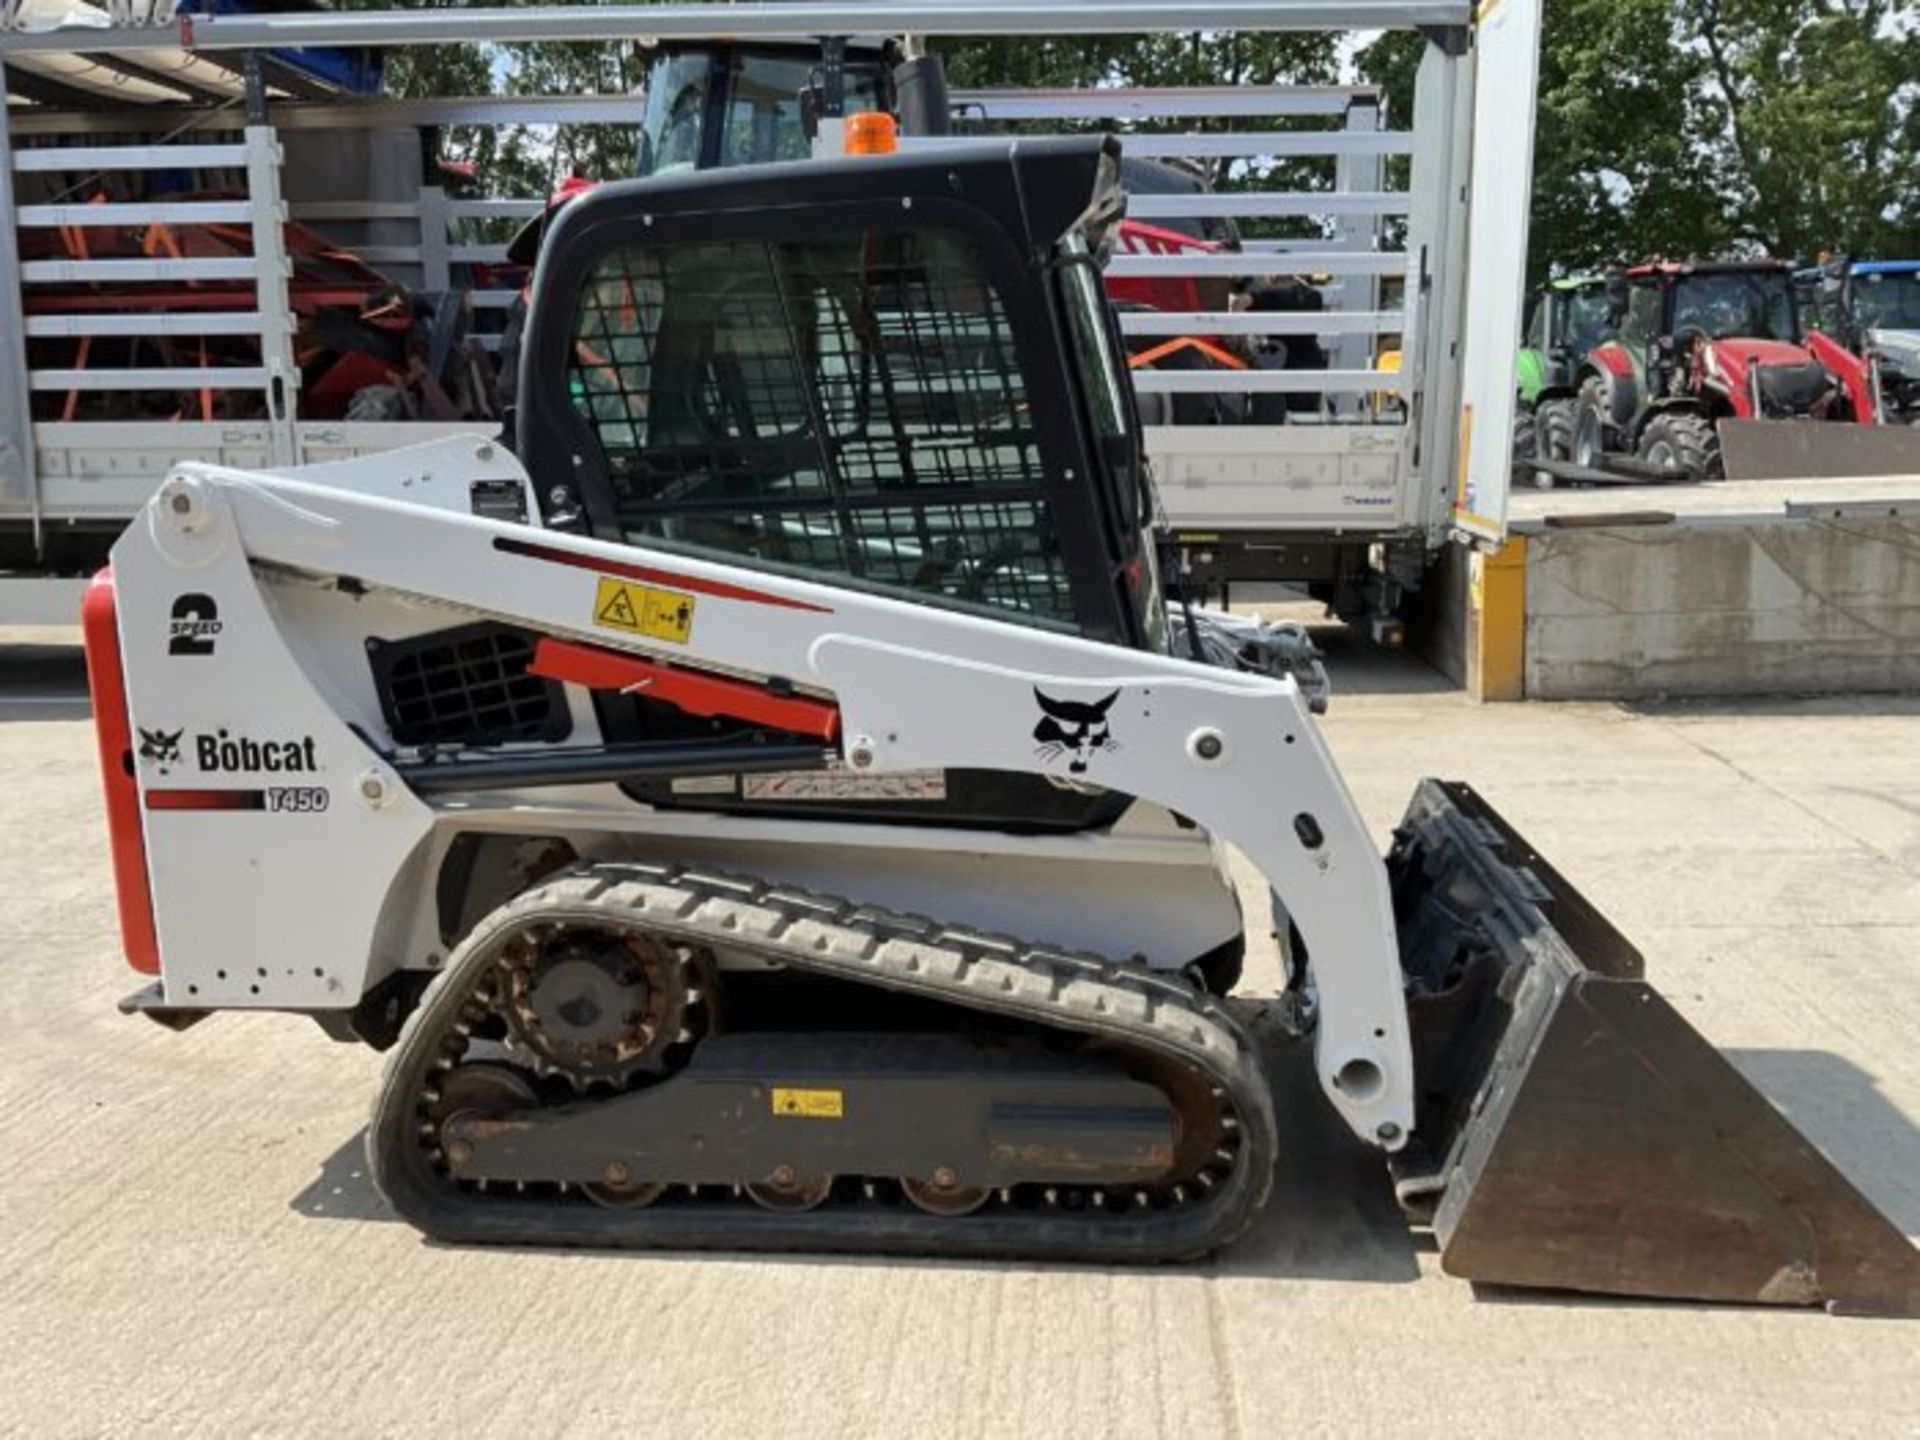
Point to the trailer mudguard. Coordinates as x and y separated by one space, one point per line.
1573 1131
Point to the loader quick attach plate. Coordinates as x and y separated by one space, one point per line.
1576 1133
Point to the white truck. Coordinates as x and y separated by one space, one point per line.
162 127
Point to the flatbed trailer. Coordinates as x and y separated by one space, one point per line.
1420 252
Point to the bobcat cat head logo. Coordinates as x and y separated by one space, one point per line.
162 747
1074 727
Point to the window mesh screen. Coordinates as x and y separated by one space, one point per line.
852 403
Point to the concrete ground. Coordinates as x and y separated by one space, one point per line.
189 1244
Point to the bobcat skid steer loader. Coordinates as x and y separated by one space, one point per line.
763 809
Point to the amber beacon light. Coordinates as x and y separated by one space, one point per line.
872 132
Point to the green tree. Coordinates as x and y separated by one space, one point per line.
1708 127
1616 174
517 159
1665 127
1203 58
1806 114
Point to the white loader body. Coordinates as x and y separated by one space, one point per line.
282 709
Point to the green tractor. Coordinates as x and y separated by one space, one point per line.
1565 319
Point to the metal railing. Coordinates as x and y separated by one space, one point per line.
269 320
440 219
1359 215
795 20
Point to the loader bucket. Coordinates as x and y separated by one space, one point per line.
1573 1132
1799 449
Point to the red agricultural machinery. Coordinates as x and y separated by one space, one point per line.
1696 346
368 348
1863 318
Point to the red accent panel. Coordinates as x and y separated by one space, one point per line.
1764 352
693 692
1615 358
1849 369
113 732
627 570
206 800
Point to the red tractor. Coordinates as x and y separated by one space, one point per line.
1695 345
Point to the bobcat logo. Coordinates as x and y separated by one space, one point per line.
1074 727
162 747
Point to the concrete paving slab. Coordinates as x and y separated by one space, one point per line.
191 1247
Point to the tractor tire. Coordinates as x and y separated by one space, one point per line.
1590 424
1526 437
1554 420
1683 443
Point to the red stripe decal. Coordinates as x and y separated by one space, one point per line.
691 691
206 800
627 570
114 733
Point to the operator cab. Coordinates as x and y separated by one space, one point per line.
1751 301
1569 318
895 373
1885 296
711 106
1851 300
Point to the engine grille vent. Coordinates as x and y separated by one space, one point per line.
466 686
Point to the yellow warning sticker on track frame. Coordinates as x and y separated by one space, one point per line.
641 610
813 1104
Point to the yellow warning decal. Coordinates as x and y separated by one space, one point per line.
814 1104
641 610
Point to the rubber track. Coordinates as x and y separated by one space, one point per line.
832 937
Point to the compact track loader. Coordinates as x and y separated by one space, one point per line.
774 806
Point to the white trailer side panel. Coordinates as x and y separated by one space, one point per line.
1508 40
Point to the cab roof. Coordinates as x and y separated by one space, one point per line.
1040 188
1709 267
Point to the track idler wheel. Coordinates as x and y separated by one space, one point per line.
784 1190
480 1091
620 1191
942 1195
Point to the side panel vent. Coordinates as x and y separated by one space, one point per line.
466 686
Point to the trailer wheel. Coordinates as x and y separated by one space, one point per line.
1683 443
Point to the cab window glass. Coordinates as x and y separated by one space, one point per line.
1755 305
1587 321
1093 343
1888 301
675 114
764 120
850 403
1537 323
1642 323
